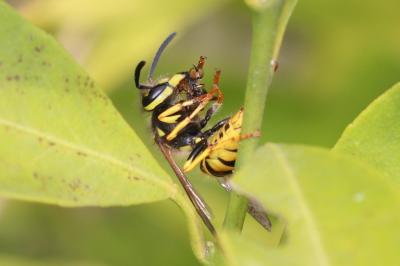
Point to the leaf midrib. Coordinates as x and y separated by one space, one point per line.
316 241
90 152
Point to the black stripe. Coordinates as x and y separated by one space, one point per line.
216 173
200 147
231 150
227 163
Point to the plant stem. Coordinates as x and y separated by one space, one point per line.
236 212
270 18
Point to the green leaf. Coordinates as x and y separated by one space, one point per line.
338 211
374 135
62 140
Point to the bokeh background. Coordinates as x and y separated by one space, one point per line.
337 57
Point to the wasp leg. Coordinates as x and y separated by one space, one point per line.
204 100
168 116
237 138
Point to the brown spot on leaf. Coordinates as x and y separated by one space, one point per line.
51 143
17 77
66 80
75 184
19 59
9 78
39 49
46 63
35 175
80 153
132 177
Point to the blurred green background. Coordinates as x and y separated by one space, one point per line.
336 58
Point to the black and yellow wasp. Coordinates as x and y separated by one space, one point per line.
216 153
176 102
217 149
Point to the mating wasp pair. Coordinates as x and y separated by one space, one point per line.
178 120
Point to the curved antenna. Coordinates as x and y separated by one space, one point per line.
159 52
137 73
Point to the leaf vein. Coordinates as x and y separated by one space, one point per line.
89 152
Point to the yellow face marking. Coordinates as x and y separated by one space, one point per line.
167 92
160 132
174 81
170 119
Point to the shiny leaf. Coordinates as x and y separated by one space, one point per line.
338 211
374 135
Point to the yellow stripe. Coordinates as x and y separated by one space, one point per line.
189 165
167 92
223 154
204 168
217 166
160 132
174 81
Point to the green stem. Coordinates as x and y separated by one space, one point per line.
270 18
236 212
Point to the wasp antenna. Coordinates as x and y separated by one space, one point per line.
137 73
159 52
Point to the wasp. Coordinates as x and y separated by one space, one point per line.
176 102
217 149
216 153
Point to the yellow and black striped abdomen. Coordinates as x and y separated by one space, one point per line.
219 157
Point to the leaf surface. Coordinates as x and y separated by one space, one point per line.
338 211
62 141
374 136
